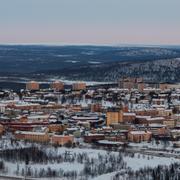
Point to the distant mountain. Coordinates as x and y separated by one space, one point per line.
95 63
24 59
157 70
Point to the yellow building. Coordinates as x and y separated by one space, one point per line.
32 85
61 139
163 86
56 128
79 86
23 119
57 85
1 129
170 123
138 136
115 116
140 87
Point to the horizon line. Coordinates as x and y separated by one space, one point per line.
92 44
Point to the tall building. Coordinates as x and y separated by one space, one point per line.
79 86
138 136
131 83
57 85
140 86
114 116
96 107
32 85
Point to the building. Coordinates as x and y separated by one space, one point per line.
170 123
57 86
2 130
2 108
79 86
140 86
163 86
90 138
158 101
96 107
156 129
175 134
129 117
146 120
62 139
86 118
23 119
41 137
24 106
138 136
32 85
56 128
38 118
131 83
114 116
147 112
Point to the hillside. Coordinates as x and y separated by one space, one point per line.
94 63
157 70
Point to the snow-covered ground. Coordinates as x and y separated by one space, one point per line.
153 145
140 161
6 143
134 162
107 176
66 166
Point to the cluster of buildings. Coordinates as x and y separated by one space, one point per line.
132 111
141 85
56 85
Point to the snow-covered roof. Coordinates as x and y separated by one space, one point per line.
90 134
140 132
110 142
143 117
129 114
156 118
156 125
30 133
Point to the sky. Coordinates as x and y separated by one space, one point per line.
111 22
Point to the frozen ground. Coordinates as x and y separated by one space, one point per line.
134 162
12 167
140 161
153 145
6 143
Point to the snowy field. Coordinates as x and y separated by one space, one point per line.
6 143
76 164
153 145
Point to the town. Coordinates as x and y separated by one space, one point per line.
131 115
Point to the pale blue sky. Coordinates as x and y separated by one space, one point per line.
90 21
